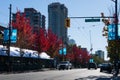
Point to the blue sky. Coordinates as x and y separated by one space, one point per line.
79 30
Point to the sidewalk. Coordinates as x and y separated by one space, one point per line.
15 72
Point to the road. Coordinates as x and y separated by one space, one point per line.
74 74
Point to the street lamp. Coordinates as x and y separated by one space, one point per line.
90 43
9 40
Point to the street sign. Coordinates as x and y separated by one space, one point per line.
92 20
119 31
91 60
63 51
6 35
111 32
13 36
60 52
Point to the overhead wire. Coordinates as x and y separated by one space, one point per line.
85 36
82 30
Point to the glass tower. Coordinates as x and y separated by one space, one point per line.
57 13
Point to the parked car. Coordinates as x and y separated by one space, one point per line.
92 65
106 67
64 65
99 65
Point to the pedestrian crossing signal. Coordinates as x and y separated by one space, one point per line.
67 22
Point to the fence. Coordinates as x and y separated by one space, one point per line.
24 63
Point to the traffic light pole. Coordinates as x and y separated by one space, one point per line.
116 26
116 56
116 20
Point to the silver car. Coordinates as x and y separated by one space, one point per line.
64 65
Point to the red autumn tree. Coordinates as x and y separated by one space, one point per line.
42 41
25 37
85 56
54 44
77 55
47 42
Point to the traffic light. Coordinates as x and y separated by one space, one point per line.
67 22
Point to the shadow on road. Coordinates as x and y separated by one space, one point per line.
98 78
27 71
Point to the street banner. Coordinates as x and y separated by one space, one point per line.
13 36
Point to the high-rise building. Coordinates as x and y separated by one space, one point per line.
43 22
57 13
37 20
100 54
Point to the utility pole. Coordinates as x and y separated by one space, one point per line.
9 40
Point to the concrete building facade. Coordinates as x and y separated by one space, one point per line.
37 20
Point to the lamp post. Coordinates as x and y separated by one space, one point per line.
9 40
90 43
